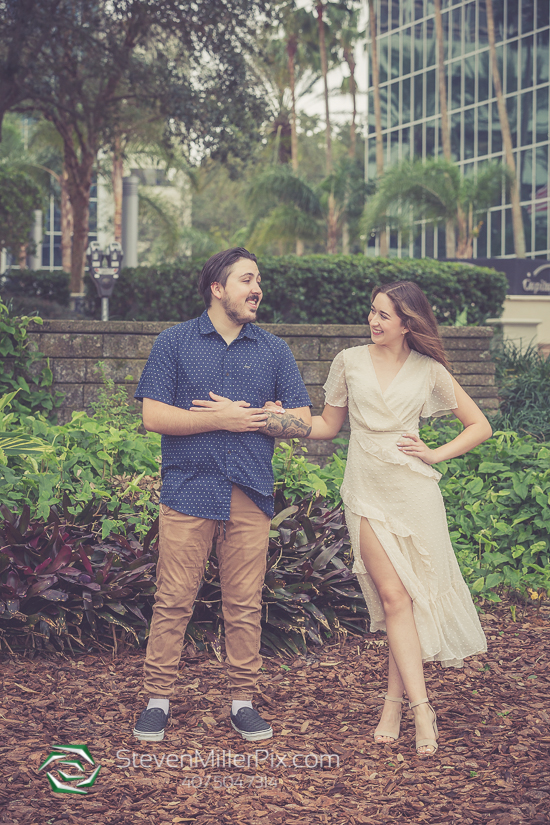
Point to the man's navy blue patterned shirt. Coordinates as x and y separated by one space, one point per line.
187 362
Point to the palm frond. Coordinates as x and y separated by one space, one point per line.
284 224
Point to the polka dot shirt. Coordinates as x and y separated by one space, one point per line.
187 362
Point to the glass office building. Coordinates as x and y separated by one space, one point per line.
411 120
51 238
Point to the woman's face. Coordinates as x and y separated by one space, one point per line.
386 327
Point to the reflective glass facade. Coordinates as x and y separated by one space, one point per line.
411 119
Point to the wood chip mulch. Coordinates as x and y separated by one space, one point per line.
322 765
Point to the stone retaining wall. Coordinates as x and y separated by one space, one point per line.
75 347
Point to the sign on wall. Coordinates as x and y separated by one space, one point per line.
526 276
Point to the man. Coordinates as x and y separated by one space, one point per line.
205 388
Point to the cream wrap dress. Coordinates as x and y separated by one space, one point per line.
400 496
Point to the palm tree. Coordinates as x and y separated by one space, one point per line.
517 219
344 21
285 208
450 235
377 116
289 62
331 217
435 191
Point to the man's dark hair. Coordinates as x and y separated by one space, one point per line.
217 268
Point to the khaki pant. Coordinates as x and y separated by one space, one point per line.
185 543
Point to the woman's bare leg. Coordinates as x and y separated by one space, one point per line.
405 665
391 711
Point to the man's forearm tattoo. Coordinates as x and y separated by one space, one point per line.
286 425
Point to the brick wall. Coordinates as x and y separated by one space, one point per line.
75 347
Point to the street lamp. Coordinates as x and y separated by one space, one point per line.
104 268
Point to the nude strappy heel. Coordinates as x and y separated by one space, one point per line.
393 735
430 743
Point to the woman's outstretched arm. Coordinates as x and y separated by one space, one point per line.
329 424
476 430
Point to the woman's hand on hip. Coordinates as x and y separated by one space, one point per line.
413 445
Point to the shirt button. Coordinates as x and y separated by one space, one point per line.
227 373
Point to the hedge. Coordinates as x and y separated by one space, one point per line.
315 289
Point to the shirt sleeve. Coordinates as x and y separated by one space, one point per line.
159 377
291 390
440 394
336 389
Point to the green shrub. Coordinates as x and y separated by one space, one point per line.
524 387
49 286
24 370
336 289
66 578
39 292
497 499
316 289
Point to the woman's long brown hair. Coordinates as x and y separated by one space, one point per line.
413 308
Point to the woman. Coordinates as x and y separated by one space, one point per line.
404 559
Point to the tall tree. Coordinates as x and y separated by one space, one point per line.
190 60
450 235
377 114
332 219
435 191
296 23
344 17
517 218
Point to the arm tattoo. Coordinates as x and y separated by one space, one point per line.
286 425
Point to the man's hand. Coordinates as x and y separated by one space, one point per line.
235 416
286 423
275 407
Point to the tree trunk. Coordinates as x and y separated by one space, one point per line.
348 56
377 113
66 223
79 182
291 46
464 245
517 219
450 232
332 234
116 178
345 238
324 69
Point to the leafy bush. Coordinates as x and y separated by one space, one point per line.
314 289
497 498
336 289
66 577
29 292
25 370
498 506
524 387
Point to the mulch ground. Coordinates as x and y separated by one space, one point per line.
322 765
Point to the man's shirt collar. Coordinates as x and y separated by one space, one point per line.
206 327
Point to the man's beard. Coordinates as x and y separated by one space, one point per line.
234 313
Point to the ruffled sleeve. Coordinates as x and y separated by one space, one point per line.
336 390
440 394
